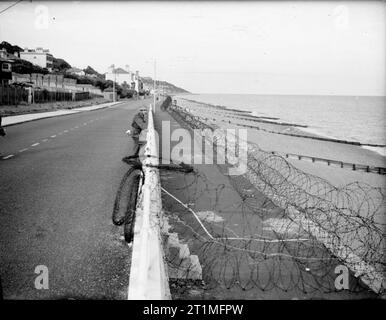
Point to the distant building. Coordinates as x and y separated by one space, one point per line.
39 56
5 71
124 76
5 67
6 55
110 94
76 71
119 75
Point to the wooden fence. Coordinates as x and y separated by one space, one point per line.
13 95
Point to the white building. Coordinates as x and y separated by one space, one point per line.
76 71
39 56
122 76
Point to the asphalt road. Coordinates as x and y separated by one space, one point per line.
56 197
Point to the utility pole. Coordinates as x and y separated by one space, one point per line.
113 83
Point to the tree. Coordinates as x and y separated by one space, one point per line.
26 67
85 80
10 48
90 70
60 64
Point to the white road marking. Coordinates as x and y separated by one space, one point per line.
85 124
35 144
22 150
65 131
53 136
7 157
45 140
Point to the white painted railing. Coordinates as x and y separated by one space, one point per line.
148 273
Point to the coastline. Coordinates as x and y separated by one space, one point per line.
378 150
282 144
340 128
287 138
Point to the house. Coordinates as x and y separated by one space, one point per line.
76 71
6 61
124 76
137 82
5 70
39 56
109 94
6 55
119 75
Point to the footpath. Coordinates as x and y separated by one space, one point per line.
227 240
12 120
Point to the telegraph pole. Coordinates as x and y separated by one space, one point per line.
113 83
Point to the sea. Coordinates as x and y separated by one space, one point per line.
354 118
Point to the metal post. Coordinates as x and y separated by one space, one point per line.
113 83
114 86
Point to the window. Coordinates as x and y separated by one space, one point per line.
6 67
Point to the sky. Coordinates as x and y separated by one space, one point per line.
252 47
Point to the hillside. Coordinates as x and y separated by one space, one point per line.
23 66
10 48
60 66
168 88
91 71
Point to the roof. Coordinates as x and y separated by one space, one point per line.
120 70
35 52
74 69
5 60
5 55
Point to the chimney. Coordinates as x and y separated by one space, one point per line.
111 69
137 74
127 68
